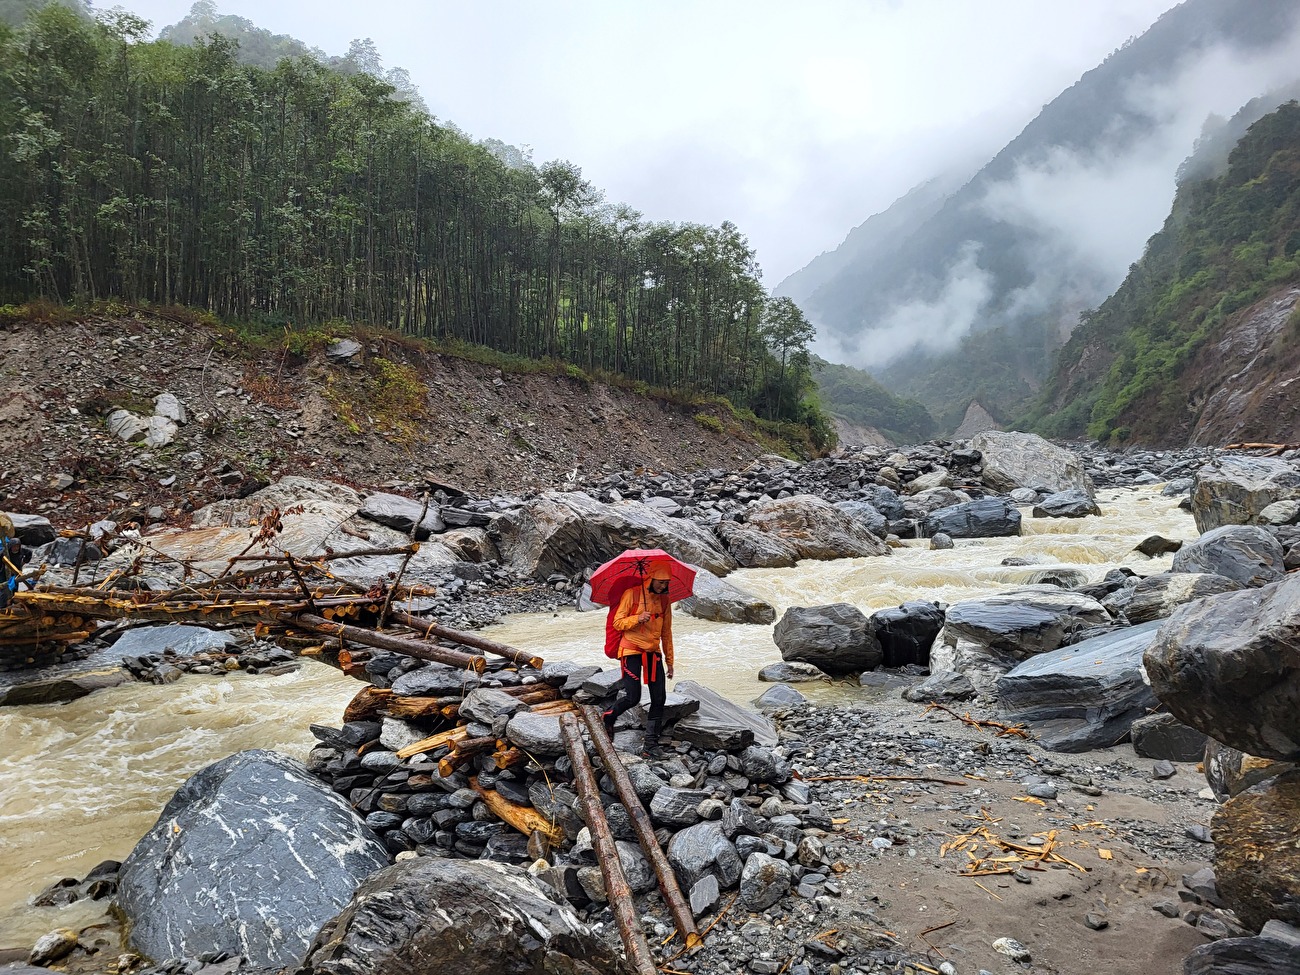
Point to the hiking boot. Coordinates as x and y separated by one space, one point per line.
607 719
651 747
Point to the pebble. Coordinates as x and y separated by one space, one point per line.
1012 948
1163 769
1097 922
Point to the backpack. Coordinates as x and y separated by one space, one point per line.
612 634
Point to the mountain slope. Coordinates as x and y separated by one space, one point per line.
1047 227
1202 341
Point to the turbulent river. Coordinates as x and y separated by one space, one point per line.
81 782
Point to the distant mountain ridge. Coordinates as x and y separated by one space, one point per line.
970 282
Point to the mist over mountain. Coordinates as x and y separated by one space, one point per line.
970 296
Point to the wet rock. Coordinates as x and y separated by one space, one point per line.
1267 954
1024 460
228 828
1230 771
759 764
867 515
944 687
53 946
790 673
58 690
1246 554
1257 851
837 639
722 602
907 632
537 734
1154 545
435 680
814 528
677 807
1083 696
703 849
754 549
1066 504
475 918
941 542
1229 665
1234 490
185 640
764 881
780 696
1164 736
1157 596
412 518
983 518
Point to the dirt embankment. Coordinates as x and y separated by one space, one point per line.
394 413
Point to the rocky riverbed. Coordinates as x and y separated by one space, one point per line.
941 844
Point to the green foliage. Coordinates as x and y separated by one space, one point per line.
1226 245
287 196
857 397
709 422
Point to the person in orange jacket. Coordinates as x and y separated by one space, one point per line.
645 651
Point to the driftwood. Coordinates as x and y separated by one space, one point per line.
432 742
508 758
526 819
617 891
463 751
645 832
410 646
428 628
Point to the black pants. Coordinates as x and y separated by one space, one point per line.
629 688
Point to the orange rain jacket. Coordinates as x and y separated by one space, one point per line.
647 636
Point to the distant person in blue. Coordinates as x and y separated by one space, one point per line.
11 557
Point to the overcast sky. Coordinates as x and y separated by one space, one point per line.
796 121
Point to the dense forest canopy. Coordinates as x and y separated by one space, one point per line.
308 191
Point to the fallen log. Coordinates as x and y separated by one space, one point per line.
526 819
464 751
432 742
645 832
617 891
409 646
508 758
428 628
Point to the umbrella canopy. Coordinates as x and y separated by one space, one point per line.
632 568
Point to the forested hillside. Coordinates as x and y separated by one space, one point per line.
173 173
855 396
1129 370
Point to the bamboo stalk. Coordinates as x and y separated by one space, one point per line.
645 832
386 641
428 628
617 891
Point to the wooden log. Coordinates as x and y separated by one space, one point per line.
402 706
611 869
541 696
366 703
553 707
464 750
432 742
509 758
409 646
428 628
645 832
526 819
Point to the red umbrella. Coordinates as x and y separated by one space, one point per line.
632 568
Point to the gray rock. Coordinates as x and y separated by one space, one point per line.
945 687
718 720
260 826
754 549
759 764
125 425
677 807
1157 596
415 916
1243 956
485 704
160 432
602 683
838 639
32 530
704 895
722 602
1244 553
764 881
185 640
814 528
1024 460
790 673
51 947
1163 769
59 690
1229 665
907 632
780 696
867 515
397 734
1083 696
983 518
537 734
703 849
1281 513
343 350
168 406
1164 736
1230 771
435 680
1067 504
1154 545
941 542
403 515
566 532
1235 490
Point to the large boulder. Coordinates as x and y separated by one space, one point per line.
1083 696
470 917
251 855
1024 460
983 638
1273 952
1257 851
722 602
1229 665
32 530
837 639
566 532
982 518
1234 490
1230 771
418 519
719 718
814 528
704 849
867 515
1244 553
753 549
1164 736
181 638
1157 596
1066 504
907 632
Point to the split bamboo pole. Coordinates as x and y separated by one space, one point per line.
645 832
611 869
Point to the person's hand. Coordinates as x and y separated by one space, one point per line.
670 673
643 618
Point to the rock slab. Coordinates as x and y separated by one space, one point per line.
1257 852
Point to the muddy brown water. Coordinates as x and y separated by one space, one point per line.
82 782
